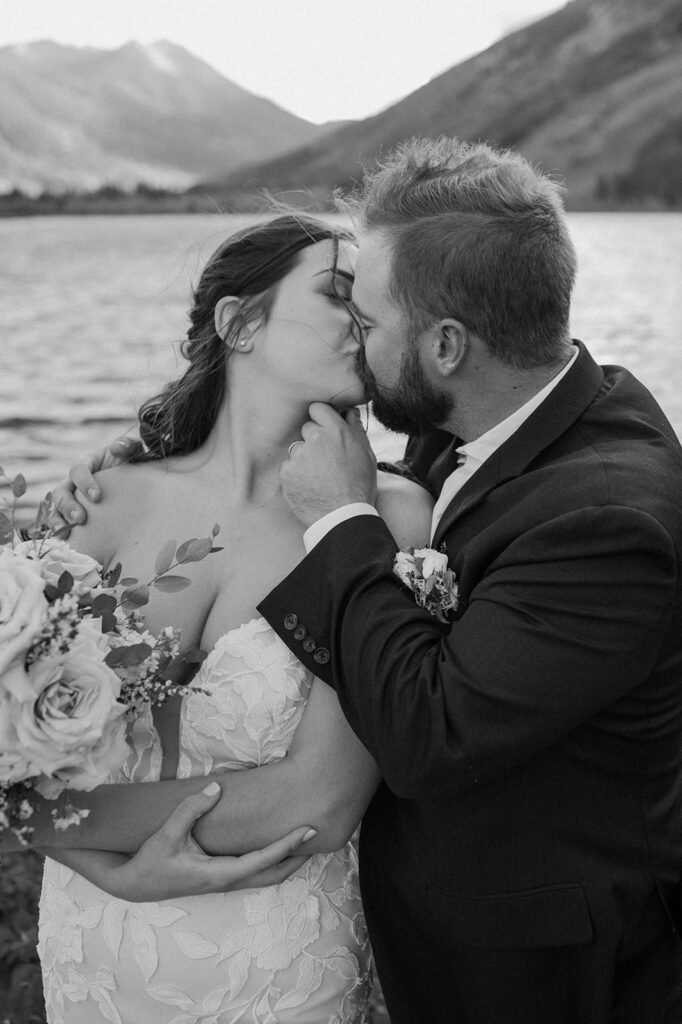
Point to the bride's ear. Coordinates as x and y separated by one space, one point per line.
224 314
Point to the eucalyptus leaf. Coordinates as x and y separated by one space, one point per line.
127 656
135 598
42 514
194 550
108 622
164 559
103 603
171 584
65 583
19 485
128 581
51 593
114 575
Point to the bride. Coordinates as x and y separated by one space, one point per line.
137 939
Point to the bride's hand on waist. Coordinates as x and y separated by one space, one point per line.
171 864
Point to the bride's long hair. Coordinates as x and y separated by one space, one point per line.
248 264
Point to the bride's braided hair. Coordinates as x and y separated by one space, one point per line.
248 264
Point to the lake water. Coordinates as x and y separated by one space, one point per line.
90 309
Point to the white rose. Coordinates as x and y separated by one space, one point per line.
15 766
23 607
55 556
434 561
73 727
91 639
96 767
404 565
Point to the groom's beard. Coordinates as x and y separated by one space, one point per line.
414 405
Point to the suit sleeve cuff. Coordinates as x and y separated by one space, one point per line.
319 529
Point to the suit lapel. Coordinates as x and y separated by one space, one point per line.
558 412
443 466
427 457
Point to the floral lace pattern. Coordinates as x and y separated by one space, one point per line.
295 953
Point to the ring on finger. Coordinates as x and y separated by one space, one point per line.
293 445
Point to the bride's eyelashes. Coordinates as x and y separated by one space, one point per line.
337 289
342 295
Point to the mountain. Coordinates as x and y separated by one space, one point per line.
592 93
83 117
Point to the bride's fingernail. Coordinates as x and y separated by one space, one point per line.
310 834
211 789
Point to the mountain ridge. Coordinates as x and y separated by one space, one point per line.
592 93
82 117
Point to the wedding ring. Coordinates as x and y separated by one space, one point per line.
293 445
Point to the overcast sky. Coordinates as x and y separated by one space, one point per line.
322 59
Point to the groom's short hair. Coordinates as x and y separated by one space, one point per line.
479 235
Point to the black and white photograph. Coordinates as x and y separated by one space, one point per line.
340 512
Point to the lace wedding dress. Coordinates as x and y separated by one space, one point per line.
295 952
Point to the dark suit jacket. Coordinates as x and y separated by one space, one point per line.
532 749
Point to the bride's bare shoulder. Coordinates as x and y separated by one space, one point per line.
406 508
126 490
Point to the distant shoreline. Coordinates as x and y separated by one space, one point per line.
111 202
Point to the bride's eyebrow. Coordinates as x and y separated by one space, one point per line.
336 272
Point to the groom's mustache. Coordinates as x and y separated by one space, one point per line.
362 369
369 381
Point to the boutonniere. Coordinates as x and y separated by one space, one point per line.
427 575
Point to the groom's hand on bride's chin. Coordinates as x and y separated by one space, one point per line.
69 510
332 467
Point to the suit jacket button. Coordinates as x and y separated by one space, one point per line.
300 632
321 655
309 645
290 621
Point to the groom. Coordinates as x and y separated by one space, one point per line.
521 861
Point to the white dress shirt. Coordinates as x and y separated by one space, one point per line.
471 457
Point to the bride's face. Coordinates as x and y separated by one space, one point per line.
309 343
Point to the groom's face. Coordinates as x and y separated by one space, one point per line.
403 397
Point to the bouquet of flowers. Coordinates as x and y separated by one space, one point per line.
76 662
425 572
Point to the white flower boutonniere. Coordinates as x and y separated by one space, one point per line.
427 575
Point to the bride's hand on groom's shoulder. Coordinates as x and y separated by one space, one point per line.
171 864
80 482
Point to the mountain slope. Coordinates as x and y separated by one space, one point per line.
592 92
73 117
